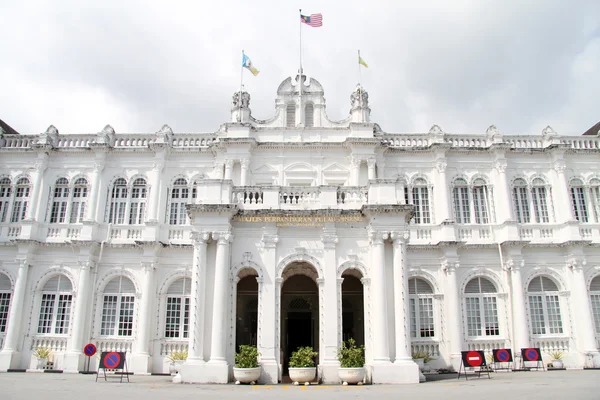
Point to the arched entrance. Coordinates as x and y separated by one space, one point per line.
353 315
246 324
299 310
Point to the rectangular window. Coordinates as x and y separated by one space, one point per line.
63 314
579 206
540 205
554 320
186 317
521 205
595 194
46 310
421 202
4 202
78 205
536 308
426 317
109 315
595 298
473 316
117 205
462 210
480 204
173 317
4 306
490 313
413 318
126 316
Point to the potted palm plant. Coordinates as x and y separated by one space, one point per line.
246 368
302 365
177 358
557 357
352 361
42 354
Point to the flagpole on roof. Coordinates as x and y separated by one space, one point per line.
300 73
359 68
241 89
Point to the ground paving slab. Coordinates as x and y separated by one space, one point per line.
579 384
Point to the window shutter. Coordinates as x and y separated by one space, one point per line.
290 115
309 115
535 285
127 286
487 286
181 286
422 286
5 282
120 284
472 286
594 286
549 285
59 283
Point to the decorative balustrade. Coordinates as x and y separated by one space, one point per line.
466 141
54 343
12 232
138 141
126 232
18 142
408 141
297 196
74 142
171 346
114 345
352 195
525 142
536 232
431 347
549 344
487 344
581 143
247 195
192 141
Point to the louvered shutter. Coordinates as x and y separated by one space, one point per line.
59 283
5 282
181 286
419 286
549 285
594 286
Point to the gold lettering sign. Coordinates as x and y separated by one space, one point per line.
298 220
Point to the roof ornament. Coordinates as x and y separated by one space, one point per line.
548 131
436 130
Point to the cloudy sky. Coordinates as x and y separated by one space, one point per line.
461 64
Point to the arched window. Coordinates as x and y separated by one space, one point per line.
544 306
60 200
578 200
481 196
180 196
55 308
118 202
21 201
118 301
539 194
290 115
481 308
138 202
521 201
79 201
177 318
420 197
5 295
462 209
5 192
309 115
421 308
595 197
595 300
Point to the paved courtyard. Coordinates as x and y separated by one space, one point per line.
579 385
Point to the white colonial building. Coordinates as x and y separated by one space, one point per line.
298 230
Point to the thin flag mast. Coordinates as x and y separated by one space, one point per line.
300 72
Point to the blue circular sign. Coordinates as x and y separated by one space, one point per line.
89 349
531 355
112 360
503 355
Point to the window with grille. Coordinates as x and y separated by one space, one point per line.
21 200
421 308
290 115
79 201
138 202
462 211
420 194
55 306
60 200
481 308
5 295
480 202
540 201
5 192
544 306
595 197
595 302
578 201
309 112
118 304
180 196
177 318
118 202
521 201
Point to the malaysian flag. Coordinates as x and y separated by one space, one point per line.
314 20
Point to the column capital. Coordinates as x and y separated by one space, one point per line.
560 166
378 237
222 238
244 162
148 266
199 238
371 162
355 161
228 163
400 238
513 265
441 165
576 264
40 165
320 282
98 167
340 281
87 265
269 240
158 165
23 262
329 240
500 165
449 266
365 281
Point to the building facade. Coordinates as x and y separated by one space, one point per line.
293 231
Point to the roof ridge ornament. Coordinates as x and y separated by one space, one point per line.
548 131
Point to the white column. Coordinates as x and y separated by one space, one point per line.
503 201
328 355
520 327
244 163
441 193
354 171
381 346
94 194
218 341
564 209
146 309
197 299
268 345
454 314
154 191
582 311
34 197
228 169
371 168
81 303
401 300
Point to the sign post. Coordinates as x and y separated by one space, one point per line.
473 359
89 350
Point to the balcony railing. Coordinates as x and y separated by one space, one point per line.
486 344
430 346
54 343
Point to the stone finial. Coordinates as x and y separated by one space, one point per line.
51 130
49 137
166 129
359 97
108 130
106 136
436 130
492 130
245 102
548 131
163 136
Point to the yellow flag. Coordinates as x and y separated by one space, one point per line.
362 62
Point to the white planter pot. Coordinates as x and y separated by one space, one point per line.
557 364
246 375
302 375
41 363
175 366
351 375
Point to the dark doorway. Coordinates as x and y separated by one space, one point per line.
246 326
353 324
299 331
